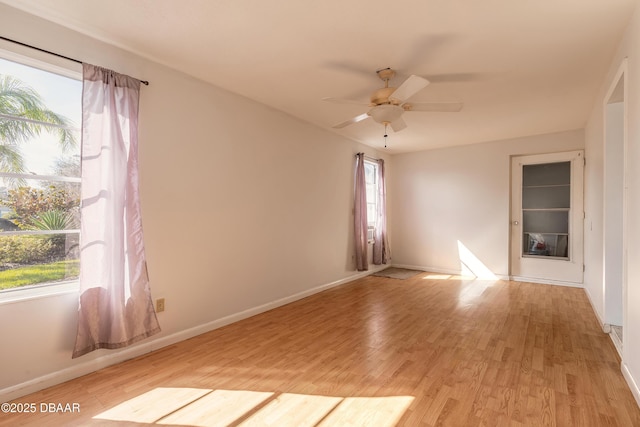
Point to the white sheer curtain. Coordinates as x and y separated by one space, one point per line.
116 309
360 215
380 242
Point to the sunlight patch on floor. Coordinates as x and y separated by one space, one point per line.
438 277
153 405
293 410
219 407
368 411
208 408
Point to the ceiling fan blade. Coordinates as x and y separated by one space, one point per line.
443 107
356 119
398 124
410 87
344 101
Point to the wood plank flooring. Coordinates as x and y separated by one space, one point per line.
427 351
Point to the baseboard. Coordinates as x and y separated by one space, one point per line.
617 343
633 386
546 282
81 369
429 269
445 271
606 328
58 377
497 276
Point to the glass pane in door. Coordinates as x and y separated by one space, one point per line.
546 205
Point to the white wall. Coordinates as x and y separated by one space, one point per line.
244 208
461 194
594 148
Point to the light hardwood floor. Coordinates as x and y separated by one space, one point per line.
426 351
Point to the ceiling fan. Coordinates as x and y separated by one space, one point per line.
389 103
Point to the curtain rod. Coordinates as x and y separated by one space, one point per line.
367 157
144 82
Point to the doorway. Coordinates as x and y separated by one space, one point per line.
614 202
547 218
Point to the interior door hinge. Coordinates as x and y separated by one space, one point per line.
583 268
585 161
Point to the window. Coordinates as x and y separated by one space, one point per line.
371 180
40 116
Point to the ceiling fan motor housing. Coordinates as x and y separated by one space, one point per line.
381 96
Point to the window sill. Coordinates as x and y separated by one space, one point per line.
36 292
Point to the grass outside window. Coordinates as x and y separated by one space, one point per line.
39 274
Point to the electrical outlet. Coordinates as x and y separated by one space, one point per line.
159 305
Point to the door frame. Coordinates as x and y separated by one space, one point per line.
535 269
615 95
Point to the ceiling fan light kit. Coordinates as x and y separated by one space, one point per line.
386 113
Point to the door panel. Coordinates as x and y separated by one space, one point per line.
547 217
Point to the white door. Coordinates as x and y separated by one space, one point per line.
547 217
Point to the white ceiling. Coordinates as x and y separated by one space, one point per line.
521 67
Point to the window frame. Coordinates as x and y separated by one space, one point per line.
64 68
